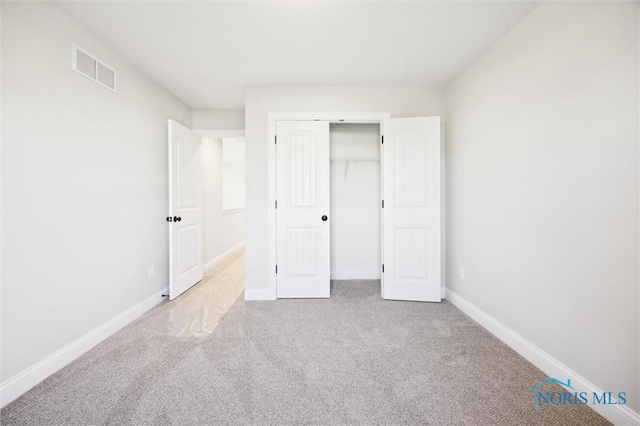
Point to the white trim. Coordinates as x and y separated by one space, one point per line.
18 385
217 134
334 117
443 207
272 117
356 275
217 260
617 414
259 294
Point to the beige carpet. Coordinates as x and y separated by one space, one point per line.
351 359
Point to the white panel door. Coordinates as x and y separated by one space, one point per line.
302 194
185 209
412 209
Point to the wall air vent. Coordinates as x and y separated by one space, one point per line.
89 66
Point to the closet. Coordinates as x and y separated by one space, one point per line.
358 200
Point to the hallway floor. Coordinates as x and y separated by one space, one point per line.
209 357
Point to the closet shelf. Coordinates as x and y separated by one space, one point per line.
347 161
372 160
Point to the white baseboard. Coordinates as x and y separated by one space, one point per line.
616 414
259 294
216 261
17 385
355 275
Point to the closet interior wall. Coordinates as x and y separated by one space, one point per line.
355 201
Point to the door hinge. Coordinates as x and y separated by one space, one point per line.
383 139
275 139
276 269
276 204
383 268
383 204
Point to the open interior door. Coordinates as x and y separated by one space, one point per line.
185 209
302 209
412 209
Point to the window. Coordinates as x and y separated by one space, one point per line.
233 175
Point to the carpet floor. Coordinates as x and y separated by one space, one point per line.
351 359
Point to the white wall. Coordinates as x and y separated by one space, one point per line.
222 231
259 101
355 202
542 187
218 119
85 186
233 174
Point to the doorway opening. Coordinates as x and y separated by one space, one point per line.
206 219
355 204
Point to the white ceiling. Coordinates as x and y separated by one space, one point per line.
206 53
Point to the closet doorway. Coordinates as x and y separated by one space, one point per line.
358 199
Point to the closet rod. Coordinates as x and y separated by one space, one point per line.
354 160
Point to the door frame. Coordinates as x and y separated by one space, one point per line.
331 117
203 133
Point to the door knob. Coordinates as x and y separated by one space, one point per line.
177 219
324 218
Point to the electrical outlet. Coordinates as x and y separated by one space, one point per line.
152 271
461 272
